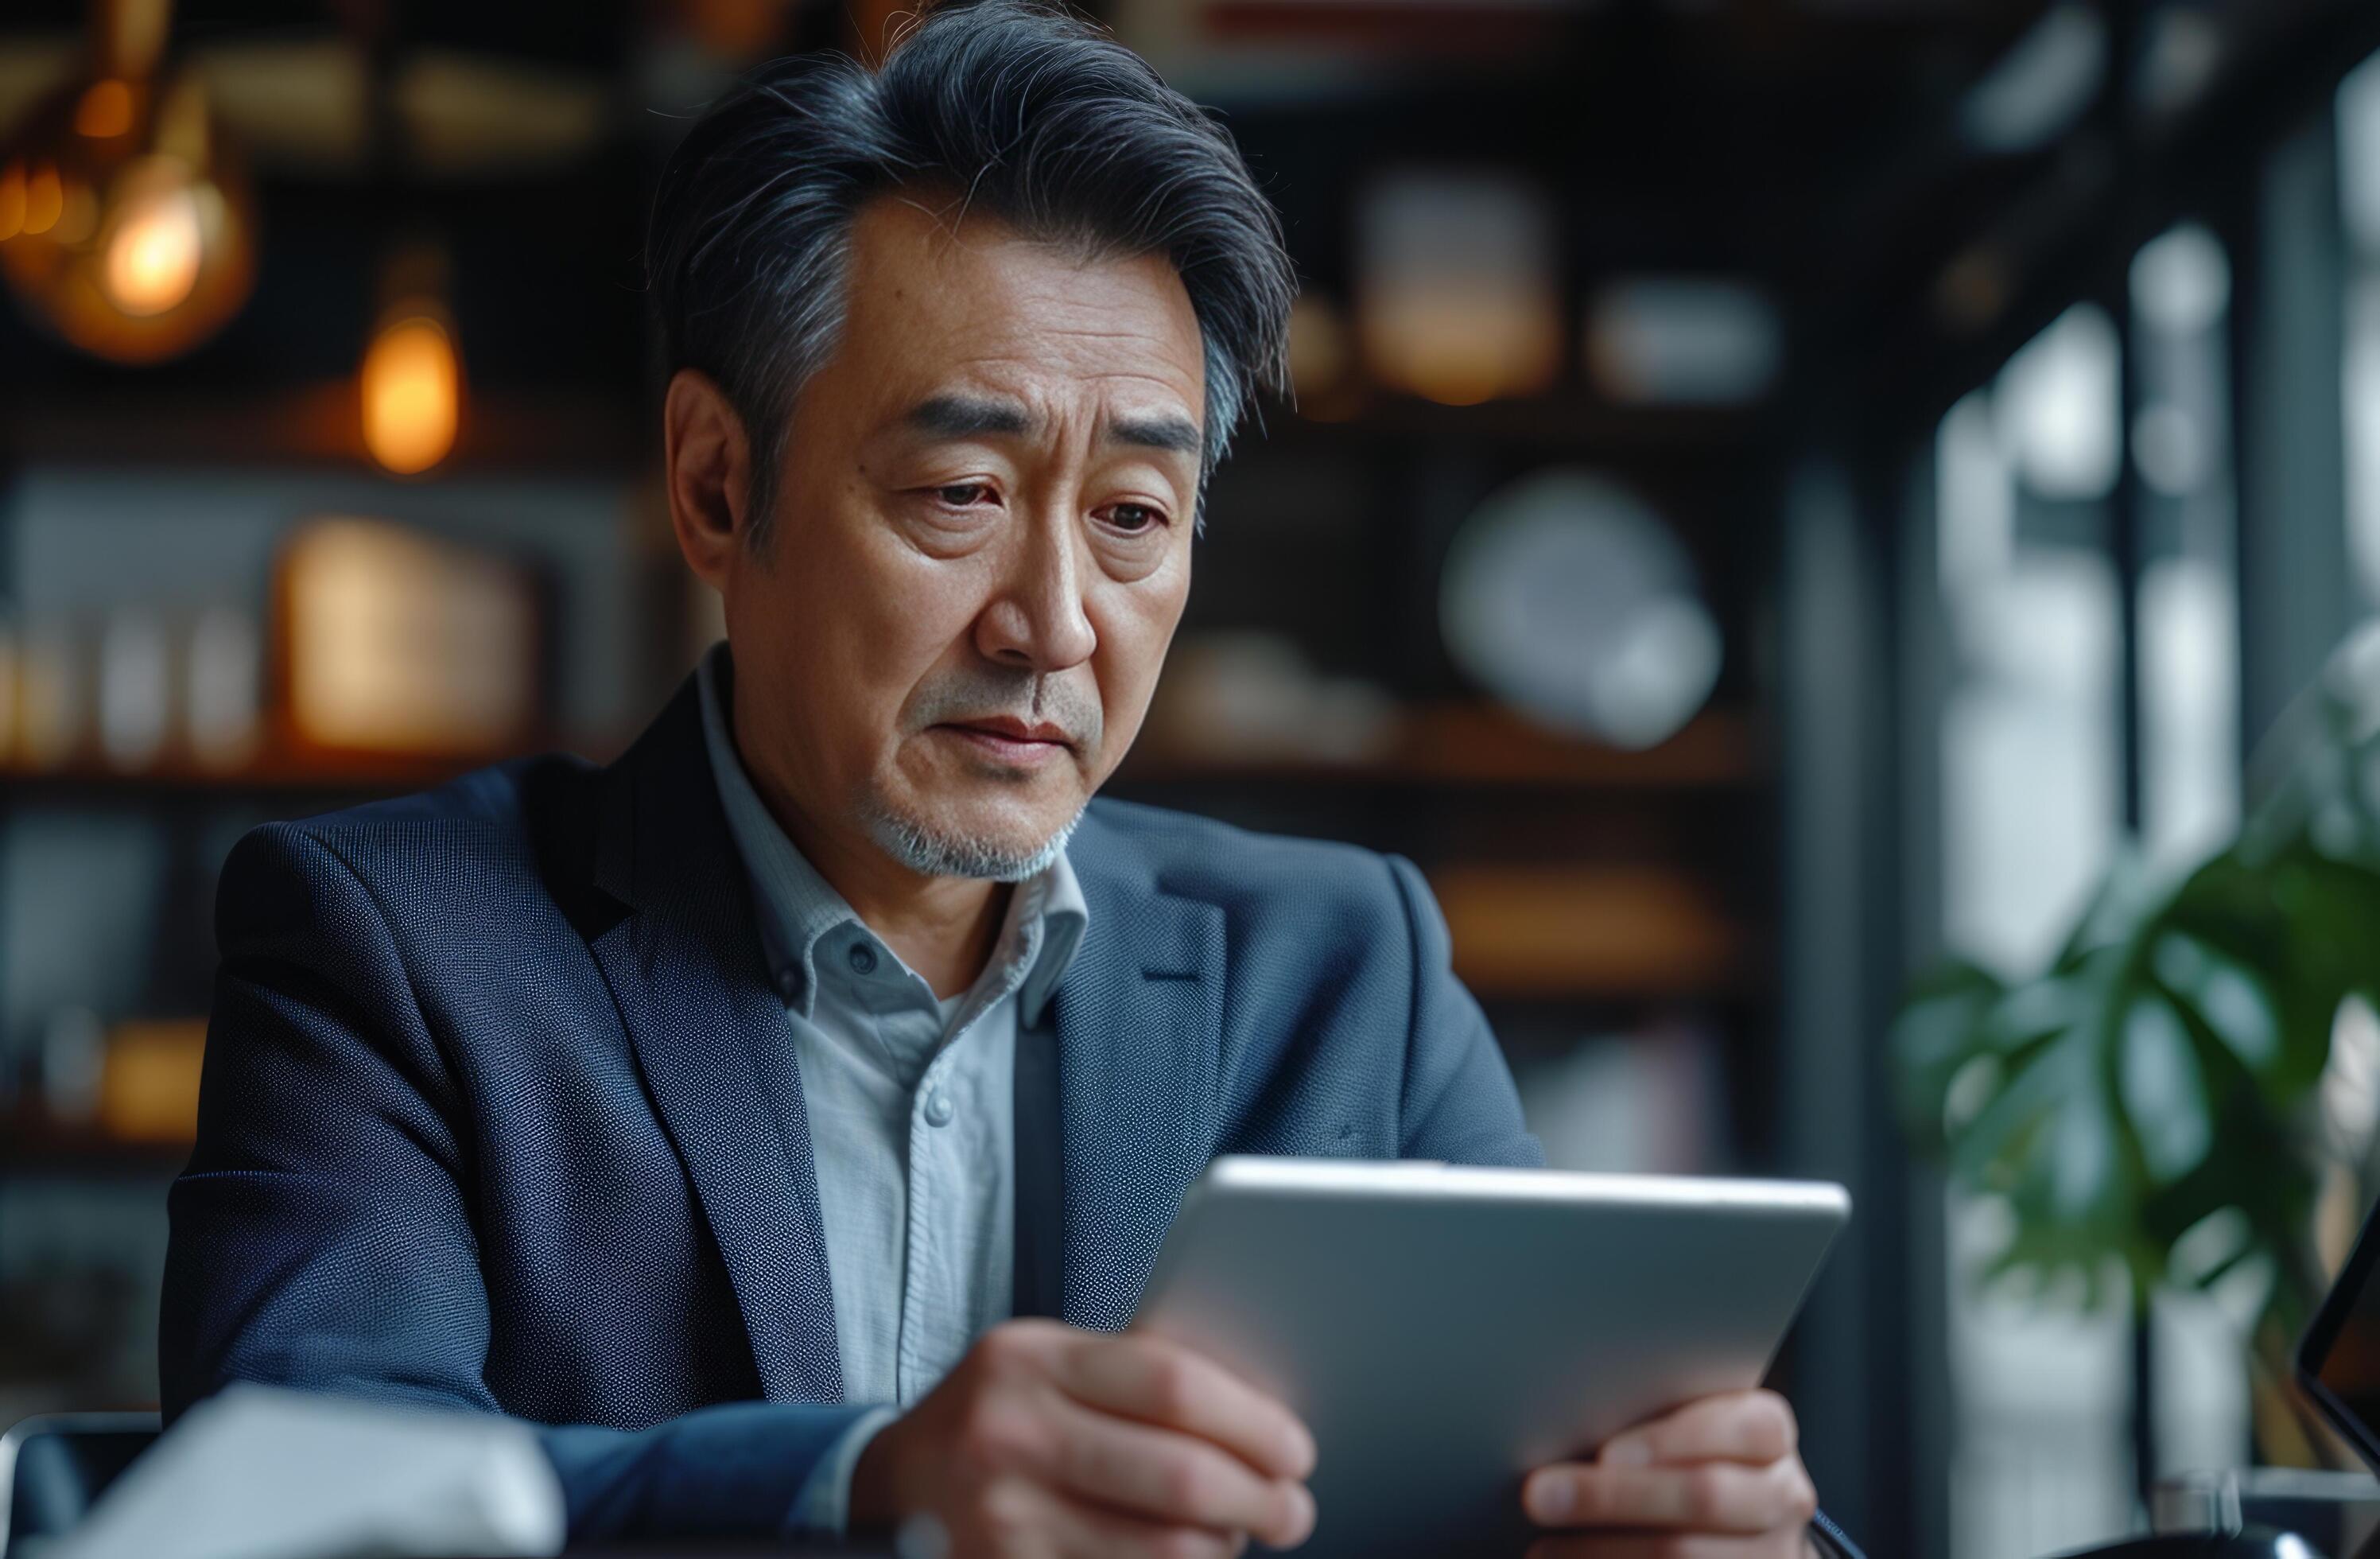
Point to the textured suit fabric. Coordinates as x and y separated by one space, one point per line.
480 1124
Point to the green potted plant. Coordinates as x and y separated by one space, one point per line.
2154 1098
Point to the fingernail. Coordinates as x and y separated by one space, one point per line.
1629 1450
1551 1499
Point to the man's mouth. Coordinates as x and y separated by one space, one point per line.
1011 740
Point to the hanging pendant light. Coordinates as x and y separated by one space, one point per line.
127 225
411 381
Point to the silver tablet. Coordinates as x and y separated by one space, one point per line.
1443 1330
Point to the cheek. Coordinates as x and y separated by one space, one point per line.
1136 625
864 617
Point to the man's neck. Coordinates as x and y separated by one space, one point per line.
942 926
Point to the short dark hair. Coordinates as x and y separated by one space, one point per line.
1018 107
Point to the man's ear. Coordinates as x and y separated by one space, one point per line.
709 474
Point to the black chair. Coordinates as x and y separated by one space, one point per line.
53 1468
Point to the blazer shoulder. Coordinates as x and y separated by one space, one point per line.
468 834
1242 870
507 795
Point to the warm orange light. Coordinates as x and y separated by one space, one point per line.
1460 345
152 258
128 226
105 111
44 199
412 390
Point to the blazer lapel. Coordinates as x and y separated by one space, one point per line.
686 967
1139 1025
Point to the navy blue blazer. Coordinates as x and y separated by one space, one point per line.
480 1124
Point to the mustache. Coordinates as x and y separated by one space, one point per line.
983 692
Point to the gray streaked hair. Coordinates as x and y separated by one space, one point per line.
1020 109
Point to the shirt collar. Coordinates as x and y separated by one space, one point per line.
797 905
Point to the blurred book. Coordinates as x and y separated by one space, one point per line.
394 641
149 1080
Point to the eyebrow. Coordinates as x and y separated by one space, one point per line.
954 416
1177 434
968 417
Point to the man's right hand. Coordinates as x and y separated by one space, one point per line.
1047 1440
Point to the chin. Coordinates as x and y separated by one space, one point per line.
1001 843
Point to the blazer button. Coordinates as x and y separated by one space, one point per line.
939 1109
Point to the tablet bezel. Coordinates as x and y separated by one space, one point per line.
2323 1332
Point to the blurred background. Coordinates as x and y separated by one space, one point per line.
1779 495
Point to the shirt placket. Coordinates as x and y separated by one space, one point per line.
939 1261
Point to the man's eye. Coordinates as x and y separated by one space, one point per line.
1133 517
959 494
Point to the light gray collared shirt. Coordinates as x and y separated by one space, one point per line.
911 1102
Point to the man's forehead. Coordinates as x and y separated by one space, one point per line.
988 314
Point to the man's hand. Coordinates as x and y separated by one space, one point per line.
1047 1440
1718 1479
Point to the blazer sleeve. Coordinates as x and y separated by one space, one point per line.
1458 1102
321 1237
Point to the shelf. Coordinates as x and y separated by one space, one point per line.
317 771
46 1151
320 425
1455 746
1597 933
1572 420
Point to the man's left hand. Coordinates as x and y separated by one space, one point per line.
1718 1479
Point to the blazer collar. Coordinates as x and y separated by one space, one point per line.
686 968
1139 1019
1138 1016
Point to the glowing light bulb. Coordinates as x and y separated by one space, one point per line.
412 387
152 258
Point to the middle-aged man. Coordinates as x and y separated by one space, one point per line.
785 1116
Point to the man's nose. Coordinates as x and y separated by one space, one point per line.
1036 619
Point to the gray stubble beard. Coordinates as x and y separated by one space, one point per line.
932 854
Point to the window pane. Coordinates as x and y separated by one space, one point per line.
2032 809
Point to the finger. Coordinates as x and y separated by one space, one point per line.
1666 1545
1087 1532
1160 1382
1709 1497
1753 1427
1169 1476
1019 1518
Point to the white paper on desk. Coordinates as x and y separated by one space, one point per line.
259 1473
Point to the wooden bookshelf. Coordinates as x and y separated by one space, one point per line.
1540 931
283 769
1482 745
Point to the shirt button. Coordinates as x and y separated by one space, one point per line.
789 983
939 1109
863 958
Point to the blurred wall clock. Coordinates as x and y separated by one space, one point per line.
1568 598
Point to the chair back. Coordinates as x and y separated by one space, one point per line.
52 1469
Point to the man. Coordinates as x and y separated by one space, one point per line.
788 1115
